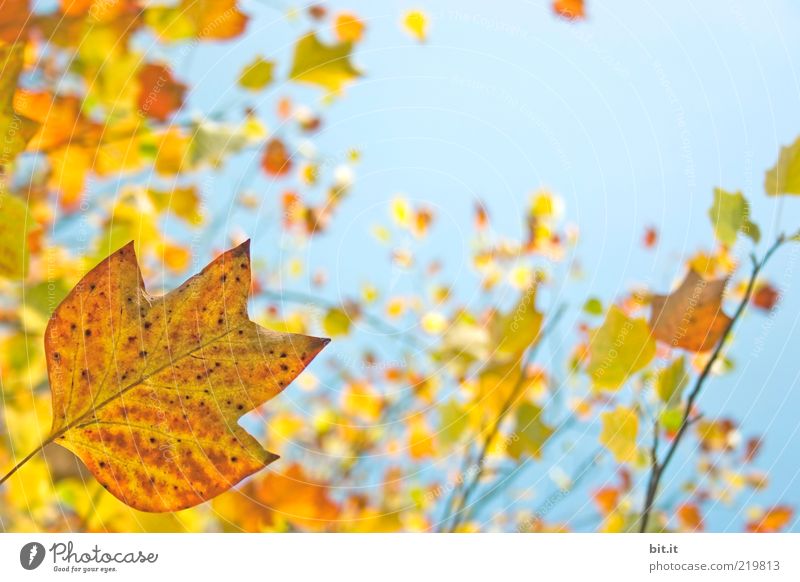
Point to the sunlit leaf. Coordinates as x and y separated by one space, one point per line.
348 27
620 347
619 433
570 9
730 214
671 380
200 19
327 66
772 520
160 94
530 433
416 23
691 317
784 177
136 379
257 75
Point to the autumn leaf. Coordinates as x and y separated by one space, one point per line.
570 9
514 332
650 238
14 226
200 19
15 17
531 432
324 65
257 75
292 497
348 27
620 347
276 160
772 520
17 130
415 23
670 382
784 177
765 297
619 433
160 94
690 518
691 317
148 391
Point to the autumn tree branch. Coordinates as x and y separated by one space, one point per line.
658 468
458 501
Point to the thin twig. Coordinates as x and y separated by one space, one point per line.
658 468
459 502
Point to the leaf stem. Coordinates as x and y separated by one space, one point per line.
27 458
658 468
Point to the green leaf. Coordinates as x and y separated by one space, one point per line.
14 226
44 297
730 214
784 177
327 66
620 347
671 419
619 433
257 74
671 381
593 306
454 421
530 433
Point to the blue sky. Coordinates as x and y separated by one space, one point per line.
633 116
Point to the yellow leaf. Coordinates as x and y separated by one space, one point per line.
70 166
620 429
15 223
415 23
671 381
184 203
530 432
148 391
517 330
620 347
257 74
336 322
201 19
784 177
363 401
327 66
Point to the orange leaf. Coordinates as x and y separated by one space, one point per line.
348 27
148 391
606 499
772 521
14 20
690 518
570 9
691 317
276 159
765 297
160 95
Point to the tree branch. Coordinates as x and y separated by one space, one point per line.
658 468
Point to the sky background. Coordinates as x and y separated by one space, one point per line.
632 116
